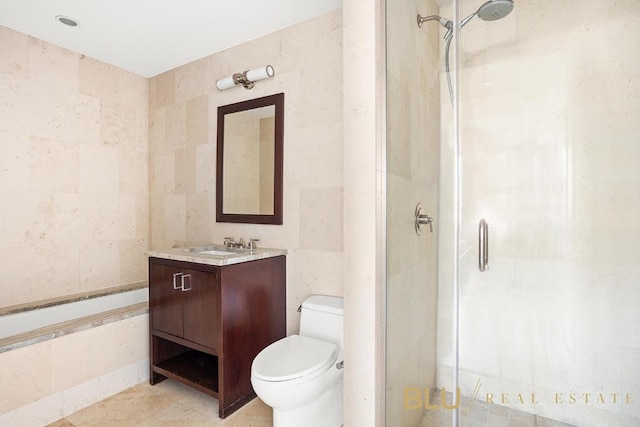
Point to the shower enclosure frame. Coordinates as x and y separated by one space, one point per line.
552 166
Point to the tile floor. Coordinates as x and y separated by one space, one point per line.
171 404
168 403
476 413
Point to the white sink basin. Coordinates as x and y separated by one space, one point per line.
216 252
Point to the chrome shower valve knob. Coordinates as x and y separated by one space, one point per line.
422 219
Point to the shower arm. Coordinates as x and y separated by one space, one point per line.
467 19
449 27
443 21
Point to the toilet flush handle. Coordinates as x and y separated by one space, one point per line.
340 365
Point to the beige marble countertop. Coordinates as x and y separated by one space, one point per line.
194 254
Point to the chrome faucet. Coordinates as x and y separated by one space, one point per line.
252 243
229 242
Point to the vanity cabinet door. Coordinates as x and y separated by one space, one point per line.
202 308
165 302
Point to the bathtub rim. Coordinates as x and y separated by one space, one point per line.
72 326
50 302
55 330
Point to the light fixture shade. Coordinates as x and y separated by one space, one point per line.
225 83
246 79
260 73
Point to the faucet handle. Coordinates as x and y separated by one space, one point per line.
252 243
228 241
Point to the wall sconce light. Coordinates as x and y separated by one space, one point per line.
247 79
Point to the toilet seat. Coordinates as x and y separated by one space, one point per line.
294 357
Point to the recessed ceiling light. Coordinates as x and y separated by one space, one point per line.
67 21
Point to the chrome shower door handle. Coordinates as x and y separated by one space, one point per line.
483 245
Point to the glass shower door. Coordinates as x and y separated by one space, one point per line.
549 105
542 144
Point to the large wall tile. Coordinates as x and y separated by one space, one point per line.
98 170
182 140
99 264
14 162
46 155
74 170
321 219
197 121
29 374
14 272
53 65
104 349
133 260
162 90
412 177
14 52
117 124
99 80
28 219
56 273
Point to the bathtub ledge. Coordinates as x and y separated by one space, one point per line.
19 308
71 326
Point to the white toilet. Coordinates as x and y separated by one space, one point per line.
301 376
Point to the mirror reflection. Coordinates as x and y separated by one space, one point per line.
249 161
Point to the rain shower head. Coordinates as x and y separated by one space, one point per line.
491 10
494 10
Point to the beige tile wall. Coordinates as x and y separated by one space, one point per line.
364 206
413 140
54 378
73 172
307 59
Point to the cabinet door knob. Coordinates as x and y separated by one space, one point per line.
175 282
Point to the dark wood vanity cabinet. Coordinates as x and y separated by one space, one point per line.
207 323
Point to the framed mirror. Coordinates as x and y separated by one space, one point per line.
249 161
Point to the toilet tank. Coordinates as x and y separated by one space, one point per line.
322 318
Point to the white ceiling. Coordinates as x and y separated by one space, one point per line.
149 37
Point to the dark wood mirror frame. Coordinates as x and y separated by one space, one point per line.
276 100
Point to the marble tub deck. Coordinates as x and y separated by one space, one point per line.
75 325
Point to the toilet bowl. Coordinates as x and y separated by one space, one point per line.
301 376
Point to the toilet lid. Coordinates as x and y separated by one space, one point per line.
293 357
